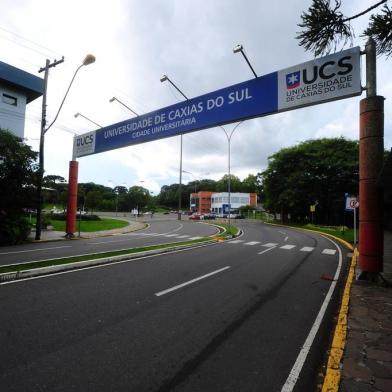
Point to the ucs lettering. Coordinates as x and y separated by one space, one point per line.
84 141
323 73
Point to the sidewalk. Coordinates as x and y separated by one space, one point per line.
367 360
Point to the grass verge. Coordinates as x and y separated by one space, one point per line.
94 256
228 230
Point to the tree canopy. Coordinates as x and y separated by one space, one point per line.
18 171
324 27
313 172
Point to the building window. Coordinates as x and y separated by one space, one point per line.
10 100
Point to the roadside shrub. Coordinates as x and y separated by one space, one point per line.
13 230
85 217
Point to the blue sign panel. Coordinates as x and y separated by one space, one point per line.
321 80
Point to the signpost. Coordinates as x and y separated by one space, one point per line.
329 78
351 205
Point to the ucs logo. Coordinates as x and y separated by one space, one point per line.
293 79
85 140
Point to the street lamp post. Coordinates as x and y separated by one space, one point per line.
89 59
86 118
165 78
123 104
240 48
229 136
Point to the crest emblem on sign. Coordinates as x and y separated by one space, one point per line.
293 80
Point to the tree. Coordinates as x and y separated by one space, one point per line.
325 26
313 172
18 170
251 184
235 184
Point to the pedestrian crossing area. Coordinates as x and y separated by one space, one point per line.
273 245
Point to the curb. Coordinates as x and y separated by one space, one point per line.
11 276
333 373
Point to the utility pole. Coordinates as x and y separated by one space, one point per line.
45 69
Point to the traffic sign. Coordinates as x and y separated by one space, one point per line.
329 78
351 203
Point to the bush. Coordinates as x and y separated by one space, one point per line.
14 230
85 217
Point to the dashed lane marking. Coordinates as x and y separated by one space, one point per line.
267 250
288 247
235 241
252 243
270 244
306 249
328 251
195 238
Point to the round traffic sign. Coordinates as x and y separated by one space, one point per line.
354 203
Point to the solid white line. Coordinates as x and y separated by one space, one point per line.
306 249
267 250
195 238
171 235
328 251
190 282
183 236
296 369
35 250
287 247
102 265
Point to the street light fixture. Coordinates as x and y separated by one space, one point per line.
165 78
122 103
89 59
239 48
82 115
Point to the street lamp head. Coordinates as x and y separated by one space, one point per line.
89 59
238 48
76 115
112 99
164 78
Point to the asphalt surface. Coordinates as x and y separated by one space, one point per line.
159 231
227 317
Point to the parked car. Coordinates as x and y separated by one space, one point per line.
211 215
196 217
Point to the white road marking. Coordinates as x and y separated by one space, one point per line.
183 236
286 238
288 247
282 232
328 251
35 250
190 282
296 369
306 249
267 250
171 235
270 244
195 238
252 243
235 241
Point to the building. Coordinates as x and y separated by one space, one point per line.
17 89
204 202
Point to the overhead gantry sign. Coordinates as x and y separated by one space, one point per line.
333 77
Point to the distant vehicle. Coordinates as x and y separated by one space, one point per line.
196 217
147 213
211 215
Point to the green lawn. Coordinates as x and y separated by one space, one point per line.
89 226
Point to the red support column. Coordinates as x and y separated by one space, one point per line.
72 199
371 151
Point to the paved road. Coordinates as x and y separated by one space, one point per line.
227 317
158 232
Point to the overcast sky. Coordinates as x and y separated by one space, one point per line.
135 43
